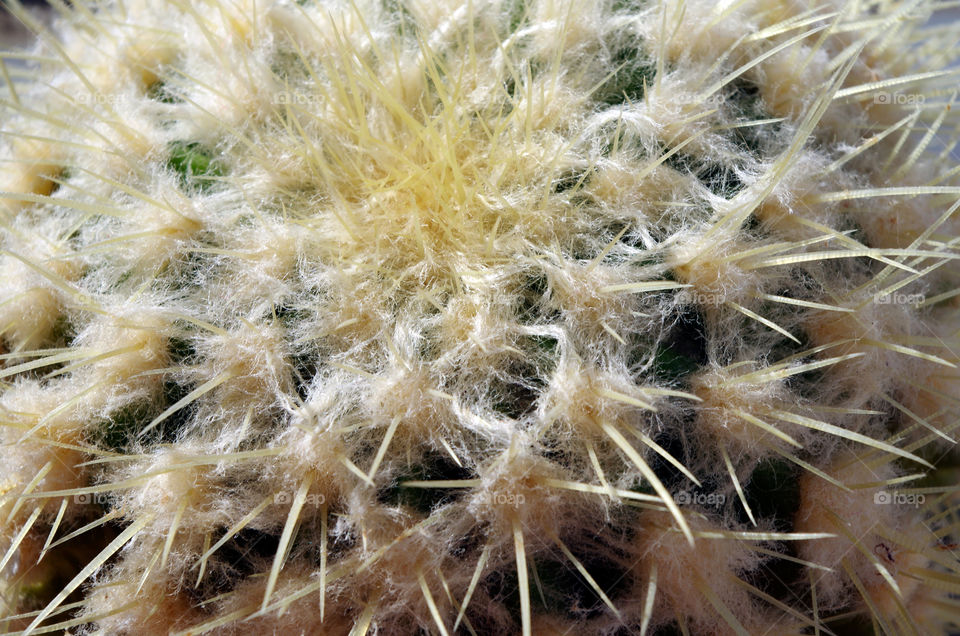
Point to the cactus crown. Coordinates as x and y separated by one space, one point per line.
480 317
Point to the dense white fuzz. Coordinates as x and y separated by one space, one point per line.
879 552
695 584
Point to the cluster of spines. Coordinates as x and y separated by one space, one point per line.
482 350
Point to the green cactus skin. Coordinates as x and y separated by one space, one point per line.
480 317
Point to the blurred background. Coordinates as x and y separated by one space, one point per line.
12 33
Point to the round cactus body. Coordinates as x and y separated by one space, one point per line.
480 317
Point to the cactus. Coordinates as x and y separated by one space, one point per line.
480 317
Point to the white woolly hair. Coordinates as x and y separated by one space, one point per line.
480 316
